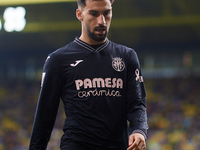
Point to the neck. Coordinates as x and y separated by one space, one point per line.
90 41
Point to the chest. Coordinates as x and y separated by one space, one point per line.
94 65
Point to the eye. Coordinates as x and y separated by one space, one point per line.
94 13
106 13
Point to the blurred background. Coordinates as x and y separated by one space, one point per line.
164 33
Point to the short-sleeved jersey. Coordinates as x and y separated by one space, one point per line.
100 88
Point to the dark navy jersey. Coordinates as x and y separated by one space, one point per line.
101 88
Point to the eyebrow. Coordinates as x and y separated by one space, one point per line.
108 10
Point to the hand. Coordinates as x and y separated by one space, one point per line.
136 142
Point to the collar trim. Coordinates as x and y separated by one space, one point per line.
87 46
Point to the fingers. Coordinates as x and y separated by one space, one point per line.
131 140
137 146
136 142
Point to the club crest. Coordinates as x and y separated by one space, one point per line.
118 64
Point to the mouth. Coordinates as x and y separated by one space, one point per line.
100 30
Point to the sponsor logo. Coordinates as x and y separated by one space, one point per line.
138 77
118 64
99 83
77 62
97 92
96 84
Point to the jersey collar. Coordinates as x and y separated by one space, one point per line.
87 46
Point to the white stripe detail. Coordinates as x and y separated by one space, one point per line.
103 46
79 42
87 46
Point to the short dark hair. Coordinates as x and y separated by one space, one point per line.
82 3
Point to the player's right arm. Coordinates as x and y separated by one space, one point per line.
47 106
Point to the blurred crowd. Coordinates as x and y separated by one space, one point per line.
172 106
173 113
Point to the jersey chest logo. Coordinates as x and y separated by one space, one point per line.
77 62
118 64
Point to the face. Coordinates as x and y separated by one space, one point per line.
96 18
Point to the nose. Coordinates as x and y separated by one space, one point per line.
101 20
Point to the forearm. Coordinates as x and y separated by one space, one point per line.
138 121
43 125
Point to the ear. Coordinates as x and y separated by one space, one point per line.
79 14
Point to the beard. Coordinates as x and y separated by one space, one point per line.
97 37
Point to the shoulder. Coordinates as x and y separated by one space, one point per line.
123 49
62 50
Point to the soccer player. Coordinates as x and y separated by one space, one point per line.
100 85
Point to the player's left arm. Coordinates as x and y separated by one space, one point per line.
136 104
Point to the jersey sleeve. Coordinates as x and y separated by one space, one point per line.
136 97
47 105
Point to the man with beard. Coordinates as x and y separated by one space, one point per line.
100 85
